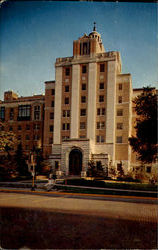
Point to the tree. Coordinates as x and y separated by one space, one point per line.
7 141
20 161
145 141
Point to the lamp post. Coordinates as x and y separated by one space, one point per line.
33 172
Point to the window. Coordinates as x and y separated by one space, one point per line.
11 114
66 126
27 137
102 67
84 48
19 127
67 88
119 112
24 112
84 69
100 125
66 100
119 139
83 99
101 111
83 112
148 169
10 128
120 99
36 137
50 140
1 128
120 86
36 126
101 98
65 138
82 125
53 91
56 165
2 113
27 127
37 113
52 115
83 86
66 113
119 125
19 137
100 138
82 136
27 147
51 128
67 71
52 104
101 85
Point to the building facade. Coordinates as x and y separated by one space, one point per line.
92 108
24 116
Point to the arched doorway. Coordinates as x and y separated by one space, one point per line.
75 162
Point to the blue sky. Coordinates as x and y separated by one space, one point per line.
34 34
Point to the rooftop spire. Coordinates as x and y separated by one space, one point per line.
94 28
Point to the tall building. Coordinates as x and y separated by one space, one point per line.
91 108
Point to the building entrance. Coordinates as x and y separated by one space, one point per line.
75 162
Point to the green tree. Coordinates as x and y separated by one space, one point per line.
145 141
8 141
20 161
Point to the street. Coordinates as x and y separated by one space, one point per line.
42 222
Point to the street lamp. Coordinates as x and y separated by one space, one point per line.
32 163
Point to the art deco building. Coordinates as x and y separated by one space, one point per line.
24 116
88 109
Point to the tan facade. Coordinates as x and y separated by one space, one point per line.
24 117
92 107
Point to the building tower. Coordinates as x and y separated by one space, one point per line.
92 108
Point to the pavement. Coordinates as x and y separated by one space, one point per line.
56 220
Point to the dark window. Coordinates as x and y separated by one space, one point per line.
36 112
103 111
83 86
119 112
19 127
66 126
10 128
82 125
50 140
24 112
119 125
52 104
66 100
52 115
67 88
27 137
101 98
27 127
36 126
19 137
51 128
83 112
84 69
119 139
53 91
36 137
2 113
148 169
101 85
66 113
102 67
98 111
120 86
100 138
83 99
120 99
82 136
67 71
11 114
